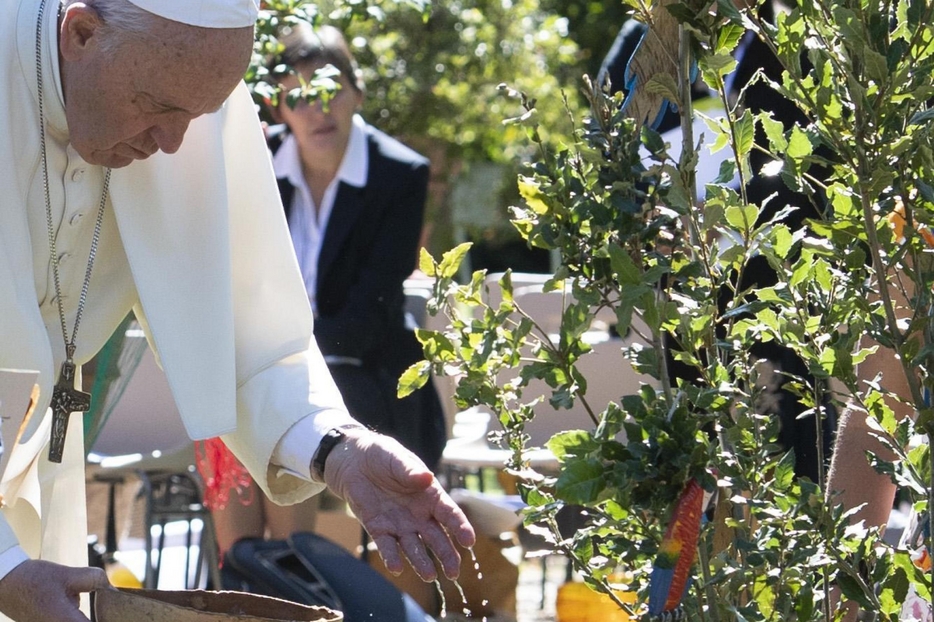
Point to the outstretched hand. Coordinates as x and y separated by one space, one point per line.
40 591
400 504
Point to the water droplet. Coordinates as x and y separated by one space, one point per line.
444 605
476 564
460 591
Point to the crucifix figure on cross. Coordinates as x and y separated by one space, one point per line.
66 399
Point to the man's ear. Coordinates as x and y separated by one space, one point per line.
79 31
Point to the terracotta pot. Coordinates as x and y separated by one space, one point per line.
134 605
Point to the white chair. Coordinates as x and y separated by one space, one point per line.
609 376
469 450
547 309
608 372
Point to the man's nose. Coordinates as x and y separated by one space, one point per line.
168 134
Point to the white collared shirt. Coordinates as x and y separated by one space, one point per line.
308 222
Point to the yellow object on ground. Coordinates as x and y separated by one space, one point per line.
121 576
578 603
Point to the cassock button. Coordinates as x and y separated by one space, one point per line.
63 258
76 218
77 175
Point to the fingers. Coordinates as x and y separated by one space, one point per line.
438 541
421 562
39 591
455 523
389 550
420 548
409 546
414 478
86 580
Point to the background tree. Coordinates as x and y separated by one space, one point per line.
432 73
593 25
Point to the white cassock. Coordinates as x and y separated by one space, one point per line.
196 243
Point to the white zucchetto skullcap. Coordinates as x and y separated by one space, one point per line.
204 13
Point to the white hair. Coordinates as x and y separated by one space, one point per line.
123 21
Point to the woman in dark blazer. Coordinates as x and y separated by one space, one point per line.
369 247
354 199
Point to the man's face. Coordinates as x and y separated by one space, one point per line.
127 103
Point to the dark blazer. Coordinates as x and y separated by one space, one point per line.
370 247
796 432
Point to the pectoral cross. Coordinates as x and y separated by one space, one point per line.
66 399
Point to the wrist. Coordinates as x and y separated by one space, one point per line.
333 439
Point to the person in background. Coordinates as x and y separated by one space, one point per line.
355 199
798 430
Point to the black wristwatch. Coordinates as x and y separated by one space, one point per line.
333 438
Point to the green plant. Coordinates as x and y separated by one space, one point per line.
631 239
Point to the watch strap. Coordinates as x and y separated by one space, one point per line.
332 438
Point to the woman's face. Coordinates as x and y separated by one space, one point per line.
322 135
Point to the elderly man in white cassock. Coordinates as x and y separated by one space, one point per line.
134 176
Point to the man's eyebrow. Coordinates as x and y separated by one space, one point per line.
176 108
159 103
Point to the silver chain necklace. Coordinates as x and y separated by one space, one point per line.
65 398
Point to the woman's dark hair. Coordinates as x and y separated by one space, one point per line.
319 46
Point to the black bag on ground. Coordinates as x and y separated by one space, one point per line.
270 568
312 570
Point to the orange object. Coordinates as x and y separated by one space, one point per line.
922 559
676 554
897 220
578 603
